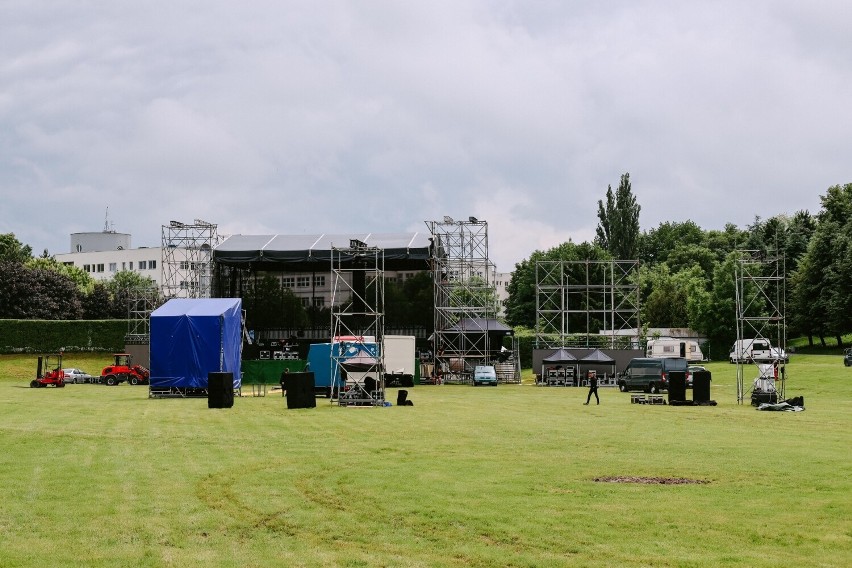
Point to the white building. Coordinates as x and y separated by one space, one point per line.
102 254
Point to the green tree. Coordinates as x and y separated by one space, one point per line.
82 279
36 293
125 287
618 222
821 282
11 249
657 244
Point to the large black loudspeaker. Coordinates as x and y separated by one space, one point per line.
300 390
701 386
220 390
402 398
677 385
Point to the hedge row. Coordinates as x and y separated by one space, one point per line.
47 336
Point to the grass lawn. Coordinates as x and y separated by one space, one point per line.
92 475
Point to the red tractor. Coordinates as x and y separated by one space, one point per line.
123 370
54 378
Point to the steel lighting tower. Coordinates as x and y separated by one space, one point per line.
760 312
464 296
575 299
188 259
358 323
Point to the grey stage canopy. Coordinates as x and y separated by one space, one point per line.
560 356
402 251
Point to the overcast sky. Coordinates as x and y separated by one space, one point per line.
376 116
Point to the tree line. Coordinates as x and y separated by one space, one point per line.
687 274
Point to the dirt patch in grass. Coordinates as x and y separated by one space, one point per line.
650 480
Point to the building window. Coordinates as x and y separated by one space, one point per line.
303 281
131 265
143 265
113 266
306 302
87 268
184 265
124 266
100 268
152 264
288 282
319 281
319 301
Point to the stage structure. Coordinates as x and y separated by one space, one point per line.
357 323
575 297
466 329
760 311
188 258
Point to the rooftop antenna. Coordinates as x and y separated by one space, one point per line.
108 228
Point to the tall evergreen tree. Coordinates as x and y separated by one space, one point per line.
618 222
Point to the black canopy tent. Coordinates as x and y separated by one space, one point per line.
596 361
560 368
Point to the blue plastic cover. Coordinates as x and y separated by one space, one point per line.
191 337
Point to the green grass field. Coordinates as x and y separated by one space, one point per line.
104 476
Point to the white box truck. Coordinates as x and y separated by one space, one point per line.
400 360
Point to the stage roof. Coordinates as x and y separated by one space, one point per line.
402 251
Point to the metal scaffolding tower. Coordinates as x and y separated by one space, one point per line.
188 259
760 312
358 323
141 302
464 297
576 299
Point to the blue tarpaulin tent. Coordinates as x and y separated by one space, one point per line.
191 337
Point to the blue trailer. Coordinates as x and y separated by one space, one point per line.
324 361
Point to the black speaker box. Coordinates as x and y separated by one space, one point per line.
402 398
677 385
758 398
701 386
220 390
299 390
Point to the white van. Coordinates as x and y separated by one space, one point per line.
671 347
751 350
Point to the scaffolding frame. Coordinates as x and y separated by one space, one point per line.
358 322
141 302
188 258
760 283
571 293
463 292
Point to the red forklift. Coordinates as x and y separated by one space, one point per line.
123 370
54 377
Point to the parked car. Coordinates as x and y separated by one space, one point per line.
484 375
77 376
847 357
650 374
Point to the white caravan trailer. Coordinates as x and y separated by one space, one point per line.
671 347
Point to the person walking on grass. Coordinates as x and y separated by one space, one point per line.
593 387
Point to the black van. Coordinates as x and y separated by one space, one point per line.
650 374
